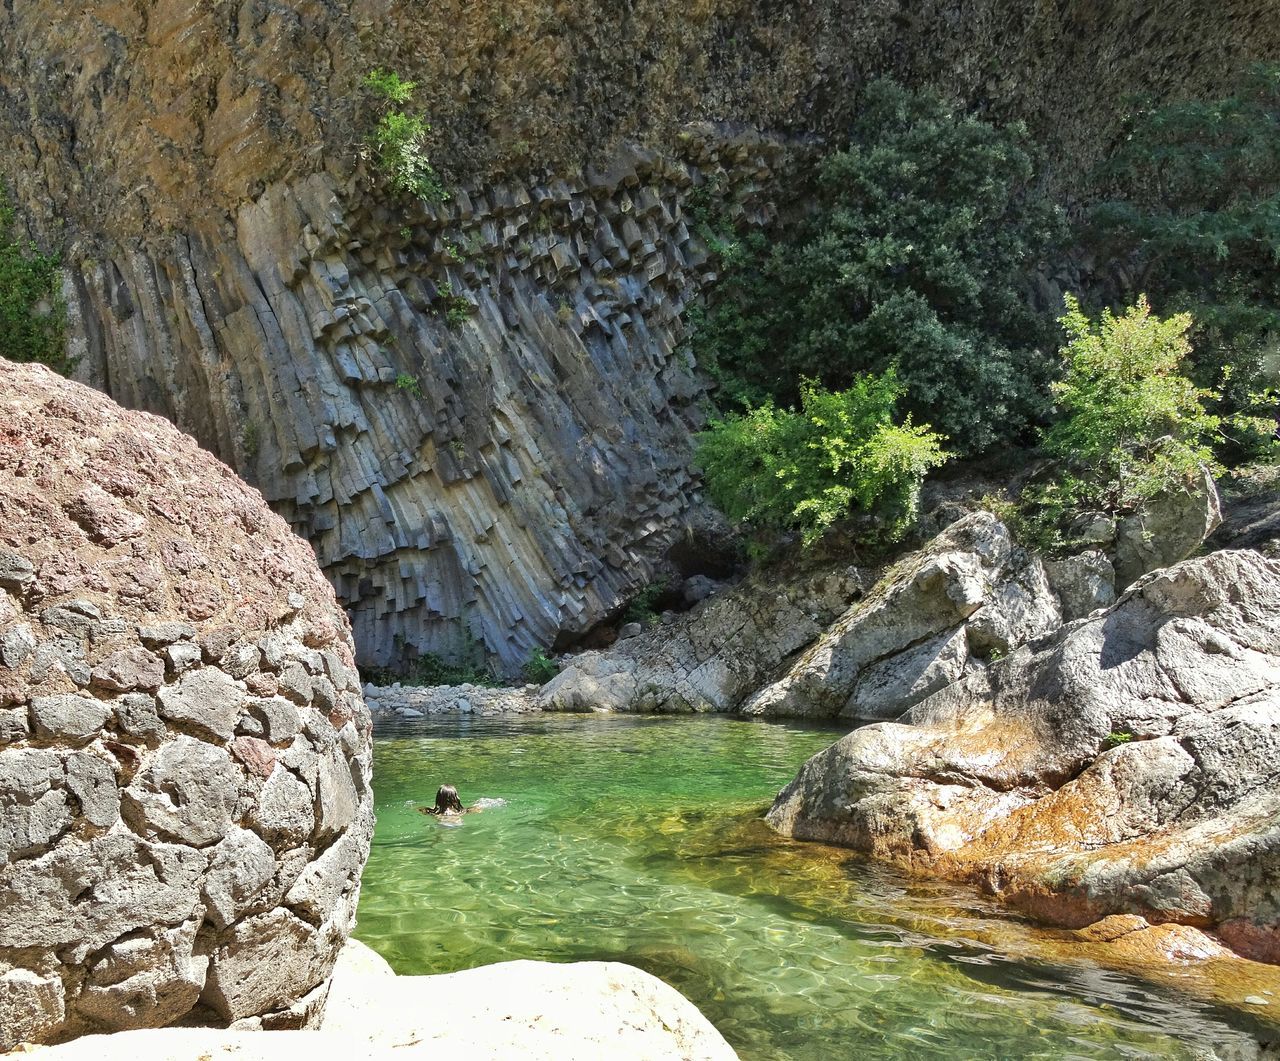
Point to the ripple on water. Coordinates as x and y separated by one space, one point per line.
639 840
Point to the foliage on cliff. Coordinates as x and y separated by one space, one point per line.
1132 426
1196 210
32 317
841 453
397 144
915 255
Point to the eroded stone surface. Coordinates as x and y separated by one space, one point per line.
972 595
1130 764
145 833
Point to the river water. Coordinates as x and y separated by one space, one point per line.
639 839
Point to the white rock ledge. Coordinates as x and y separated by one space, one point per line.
521 1009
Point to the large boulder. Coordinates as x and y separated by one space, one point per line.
1166 529
970 596
1128 765
185 805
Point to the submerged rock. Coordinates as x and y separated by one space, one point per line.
1130 764
173 845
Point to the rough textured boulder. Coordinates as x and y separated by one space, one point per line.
711 658
970 596
1128 765
184 751
1167 529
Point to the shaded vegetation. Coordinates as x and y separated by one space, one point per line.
914 256
32 315
1195 216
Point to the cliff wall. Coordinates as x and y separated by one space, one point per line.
479 414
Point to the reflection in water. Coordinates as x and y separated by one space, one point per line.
640 840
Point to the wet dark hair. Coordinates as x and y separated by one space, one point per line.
447 801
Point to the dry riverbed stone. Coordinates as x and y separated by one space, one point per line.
185 805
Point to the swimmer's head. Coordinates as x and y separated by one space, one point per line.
447 801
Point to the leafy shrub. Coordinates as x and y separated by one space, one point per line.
32 316
1133 426
397 143
540 668
914 255
1196 211
778 468
409 384
642 608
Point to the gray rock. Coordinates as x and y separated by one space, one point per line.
70 716
84 894
337 870
709 659
182 656
144 981
14 724
187 793
207 700
295 683
1128 764
31 1005
16 646
285 811
240 868
1083 583
160 635
1168 529
16 573
80 618
264 963
972 578
136 715
630 630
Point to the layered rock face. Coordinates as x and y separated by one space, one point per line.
514 476
710 659
1129 764
972 595
478 413
184 752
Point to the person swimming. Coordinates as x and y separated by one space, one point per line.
447 802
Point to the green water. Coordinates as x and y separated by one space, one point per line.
639 840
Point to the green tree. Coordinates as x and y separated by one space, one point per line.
842 452
1133 426
32 316
1196 214
915 255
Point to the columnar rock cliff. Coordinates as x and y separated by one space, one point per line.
185 801
479 414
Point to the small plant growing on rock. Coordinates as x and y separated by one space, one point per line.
1119 737
540 668
409 384
397 143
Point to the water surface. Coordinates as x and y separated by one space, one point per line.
639 839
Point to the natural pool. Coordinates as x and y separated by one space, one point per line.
639 839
